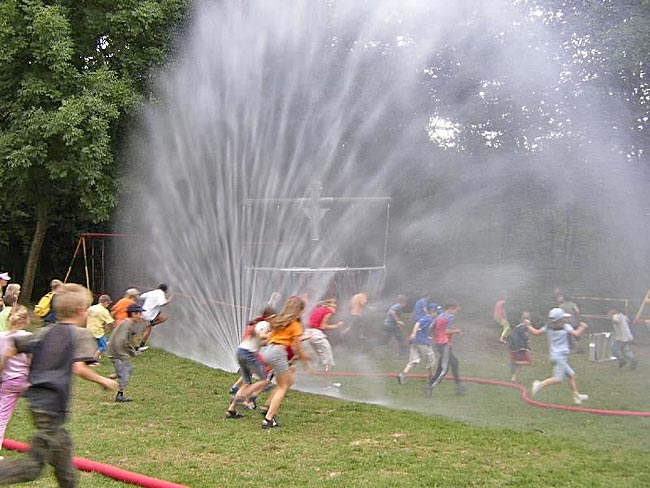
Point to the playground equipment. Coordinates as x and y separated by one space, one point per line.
317 255
600 347
597 307
95 250
640 314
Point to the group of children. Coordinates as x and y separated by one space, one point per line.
271 344
39 365
562 329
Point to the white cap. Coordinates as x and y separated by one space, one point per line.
262 327
557 313
5 276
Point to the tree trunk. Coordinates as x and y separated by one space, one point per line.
34 252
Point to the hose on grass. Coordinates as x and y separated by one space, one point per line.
521 388
104 469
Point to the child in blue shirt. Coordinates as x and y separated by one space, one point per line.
421 344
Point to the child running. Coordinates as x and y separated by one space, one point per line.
421 345
122 346
623 339
519 345
444 331
393 325
58 351
249 365
284 344
15 370
559 332
267 314
319 323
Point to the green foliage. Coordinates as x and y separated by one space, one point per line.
70 74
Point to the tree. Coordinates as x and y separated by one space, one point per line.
71 74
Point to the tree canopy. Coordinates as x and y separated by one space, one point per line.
72 73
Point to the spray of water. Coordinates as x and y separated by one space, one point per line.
292 147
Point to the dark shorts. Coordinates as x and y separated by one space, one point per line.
250 365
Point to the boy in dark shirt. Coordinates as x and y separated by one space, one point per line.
57 351
519 345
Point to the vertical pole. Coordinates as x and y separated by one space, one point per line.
74 256
83 245
386 235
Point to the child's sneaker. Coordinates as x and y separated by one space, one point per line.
233 390
401 378
269 424
122 399
537 385
250 404
578 398
233 415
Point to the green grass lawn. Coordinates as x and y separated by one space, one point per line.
175 428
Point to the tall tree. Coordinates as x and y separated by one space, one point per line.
71 73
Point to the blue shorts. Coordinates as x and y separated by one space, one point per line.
561 368
249 365
101 343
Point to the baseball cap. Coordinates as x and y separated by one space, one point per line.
262 326
5 276
134 308
434 307
557 313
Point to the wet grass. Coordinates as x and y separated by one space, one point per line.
175 428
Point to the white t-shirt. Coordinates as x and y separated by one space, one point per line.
253 342
622 330
152 302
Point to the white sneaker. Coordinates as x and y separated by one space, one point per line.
537 385
579 398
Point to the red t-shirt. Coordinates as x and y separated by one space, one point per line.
316 317
441 336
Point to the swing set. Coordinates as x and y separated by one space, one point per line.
92 247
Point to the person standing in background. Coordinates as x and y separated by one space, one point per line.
501 318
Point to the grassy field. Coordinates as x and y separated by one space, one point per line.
175 428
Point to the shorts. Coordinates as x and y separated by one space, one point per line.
249 365
417 352
101 343
520 357
561 368
150 322
276 357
